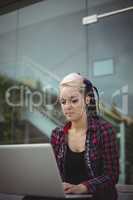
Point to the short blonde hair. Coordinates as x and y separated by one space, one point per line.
73 80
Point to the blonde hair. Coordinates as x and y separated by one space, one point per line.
73 80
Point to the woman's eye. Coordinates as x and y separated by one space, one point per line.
74 100
63 102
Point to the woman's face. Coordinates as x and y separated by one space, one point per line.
72 103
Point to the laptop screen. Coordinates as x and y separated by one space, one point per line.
29 169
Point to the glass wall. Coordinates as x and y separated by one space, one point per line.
33 60
41 43
110 59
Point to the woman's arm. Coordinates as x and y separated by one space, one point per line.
110 162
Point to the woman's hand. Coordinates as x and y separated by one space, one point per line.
75 189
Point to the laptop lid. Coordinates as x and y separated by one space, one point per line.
29 169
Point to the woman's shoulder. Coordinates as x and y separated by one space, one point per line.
104 123
100 122
103 126
106 130
57 135
57 131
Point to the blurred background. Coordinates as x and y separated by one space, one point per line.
42 41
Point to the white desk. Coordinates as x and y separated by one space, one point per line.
10 197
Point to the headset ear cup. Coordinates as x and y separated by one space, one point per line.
88 100
90 89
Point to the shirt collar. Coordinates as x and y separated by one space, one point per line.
92 124
67 127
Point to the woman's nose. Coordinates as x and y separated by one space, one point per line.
68 105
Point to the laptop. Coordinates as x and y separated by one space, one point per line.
31 169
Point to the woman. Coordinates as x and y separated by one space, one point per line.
85 148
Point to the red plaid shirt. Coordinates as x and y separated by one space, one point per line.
101 155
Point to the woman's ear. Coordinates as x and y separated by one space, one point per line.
87 100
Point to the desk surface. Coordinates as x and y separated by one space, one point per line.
16 197
10 197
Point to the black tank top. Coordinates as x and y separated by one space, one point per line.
75 168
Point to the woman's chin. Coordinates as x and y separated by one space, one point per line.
71 118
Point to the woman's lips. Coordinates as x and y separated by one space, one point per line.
69 113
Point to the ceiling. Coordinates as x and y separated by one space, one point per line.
4 3
10 5
7 3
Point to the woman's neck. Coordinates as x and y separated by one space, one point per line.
80 123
